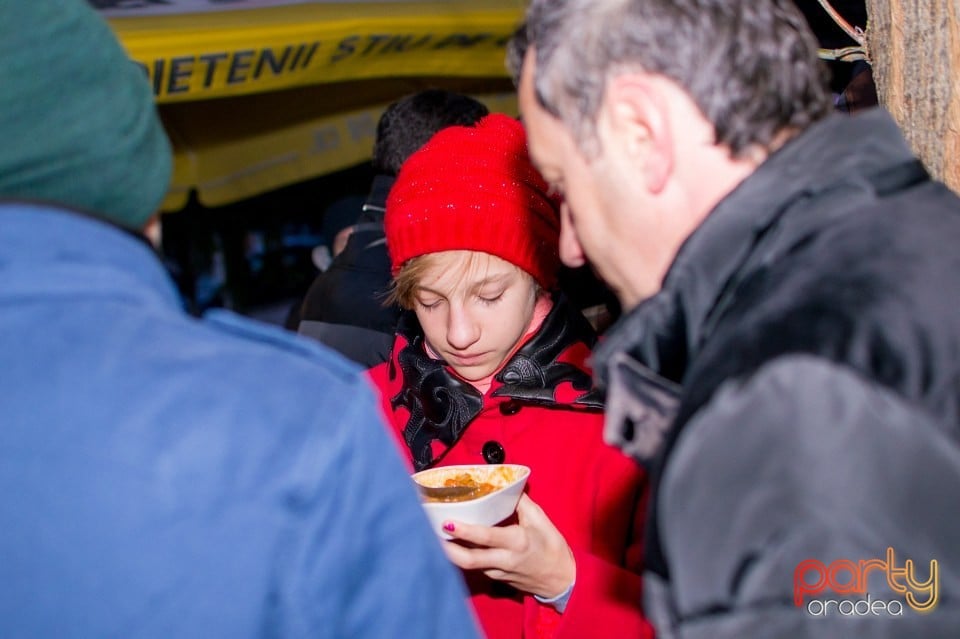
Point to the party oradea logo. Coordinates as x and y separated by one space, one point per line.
843 587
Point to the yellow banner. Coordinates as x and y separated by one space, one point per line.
228 150
239 52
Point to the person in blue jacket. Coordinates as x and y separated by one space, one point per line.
155 483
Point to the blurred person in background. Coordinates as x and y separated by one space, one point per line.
489 367
345 305
339 220
787 364
155 483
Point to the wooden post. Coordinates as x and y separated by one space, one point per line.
914 51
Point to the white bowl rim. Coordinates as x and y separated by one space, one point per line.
523 475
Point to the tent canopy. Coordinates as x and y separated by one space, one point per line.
258 94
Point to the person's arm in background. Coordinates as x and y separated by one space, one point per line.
372 561
804 461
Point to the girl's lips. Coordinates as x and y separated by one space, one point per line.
466 360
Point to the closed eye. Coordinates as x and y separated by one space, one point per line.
429 304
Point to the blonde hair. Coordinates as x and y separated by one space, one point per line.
404 287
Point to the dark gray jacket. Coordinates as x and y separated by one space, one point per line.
795 387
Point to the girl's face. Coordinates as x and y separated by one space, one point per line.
474 308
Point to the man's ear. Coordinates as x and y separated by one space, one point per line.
638 112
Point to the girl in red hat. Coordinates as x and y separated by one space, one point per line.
489 366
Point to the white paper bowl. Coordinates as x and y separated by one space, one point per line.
487 510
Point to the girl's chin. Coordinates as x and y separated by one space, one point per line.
473 373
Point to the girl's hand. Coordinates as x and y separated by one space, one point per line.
530 555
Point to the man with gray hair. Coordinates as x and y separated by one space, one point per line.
788 363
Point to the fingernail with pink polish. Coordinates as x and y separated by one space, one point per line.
448 526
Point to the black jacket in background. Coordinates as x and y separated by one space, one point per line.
343 308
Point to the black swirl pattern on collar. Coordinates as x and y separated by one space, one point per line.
533 373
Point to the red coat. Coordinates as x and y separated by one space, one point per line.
593 494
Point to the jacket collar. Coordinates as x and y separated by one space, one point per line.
60 251
376 203
441 405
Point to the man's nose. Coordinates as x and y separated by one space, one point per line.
571 253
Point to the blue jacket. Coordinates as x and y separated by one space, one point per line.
163 476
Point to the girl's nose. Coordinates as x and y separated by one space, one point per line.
462 330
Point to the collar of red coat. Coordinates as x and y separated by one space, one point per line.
548 370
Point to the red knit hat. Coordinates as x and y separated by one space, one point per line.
474 188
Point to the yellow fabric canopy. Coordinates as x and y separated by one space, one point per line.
211 54
259 94
228 150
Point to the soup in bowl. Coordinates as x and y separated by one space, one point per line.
494 492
